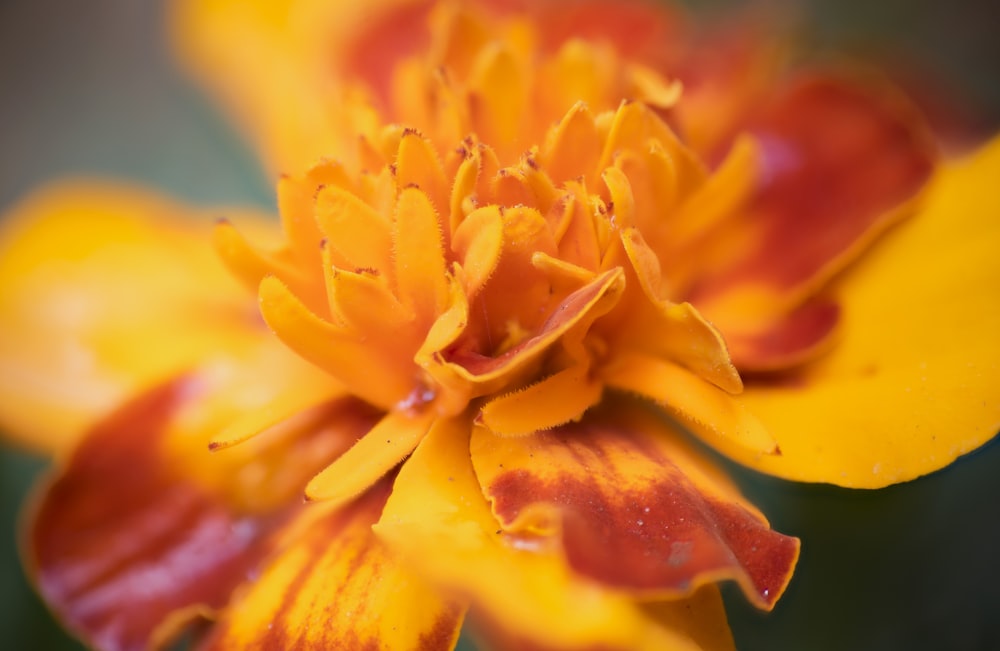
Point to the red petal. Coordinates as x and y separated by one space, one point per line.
840 163
122 539
792 340
636 507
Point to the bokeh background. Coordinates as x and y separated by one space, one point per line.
89 88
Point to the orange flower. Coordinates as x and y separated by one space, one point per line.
491 324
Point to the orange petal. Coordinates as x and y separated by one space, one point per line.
709 412
106 290
418 165
634 505
438 521
332 585
675 331
841 163
418 256
478 242
912 380
359 234
559 398
572 146
579 309
126 543
378 452
372 374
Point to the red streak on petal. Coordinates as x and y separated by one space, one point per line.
122 537
117 543
792 340
838 158
667 536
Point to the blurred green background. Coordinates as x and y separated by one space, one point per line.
89 88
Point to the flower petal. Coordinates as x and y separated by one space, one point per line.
106 290
127 543
709 412
579 308
559 398
372 373
332 585
437 520
912 382
797 337
634 505
841 163
378 451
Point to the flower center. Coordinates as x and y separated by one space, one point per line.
460 261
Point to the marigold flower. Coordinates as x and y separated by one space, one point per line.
498 309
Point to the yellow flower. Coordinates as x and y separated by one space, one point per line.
496 310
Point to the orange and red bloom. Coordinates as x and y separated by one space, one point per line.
525 252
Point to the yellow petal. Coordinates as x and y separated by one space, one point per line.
333 585
912 382
437 520
370 458
107 290
559 398
715 416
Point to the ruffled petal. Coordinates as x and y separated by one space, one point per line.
107 290
333 585
841 162
634 506
128 544
437 520
912 381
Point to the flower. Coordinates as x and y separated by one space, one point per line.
472 301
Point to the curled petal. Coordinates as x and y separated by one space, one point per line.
838 159
438 521
633 505
912 382
579 309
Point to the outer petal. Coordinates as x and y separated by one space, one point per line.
436 518
332 585
841 163
634 506
913 382
106 290
129 542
